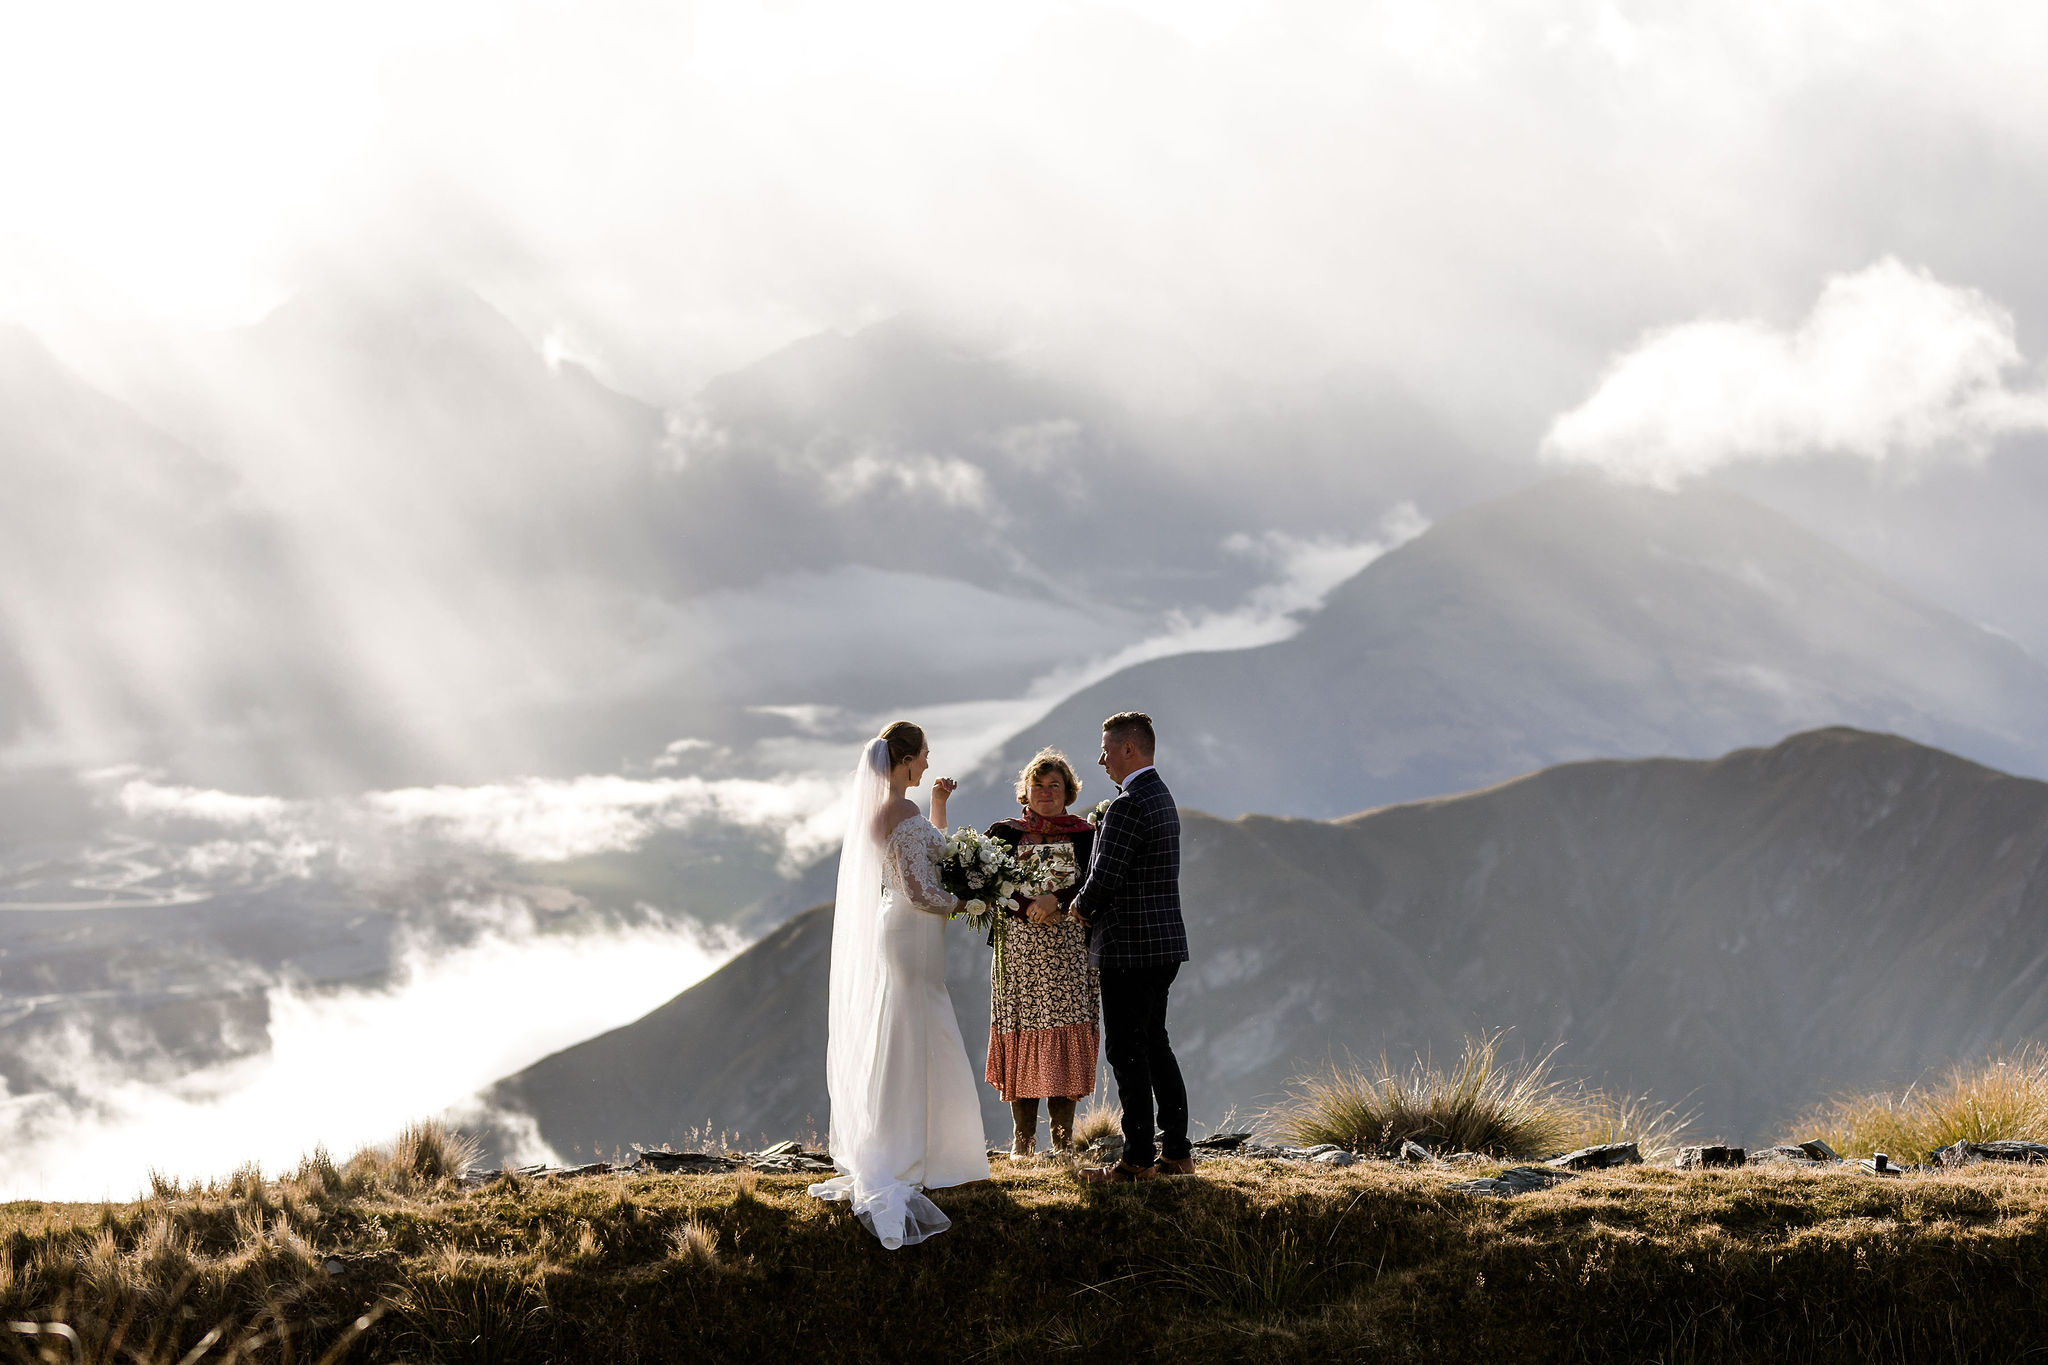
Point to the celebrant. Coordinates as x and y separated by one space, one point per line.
1045 1001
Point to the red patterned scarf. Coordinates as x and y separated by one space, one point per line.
1042 825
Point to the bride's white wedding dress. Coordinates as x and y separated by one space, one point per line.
905 1115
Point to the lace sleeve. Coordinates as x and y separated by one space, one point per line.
913 862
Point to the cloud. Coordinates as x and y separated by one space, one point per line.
344 1068
1267 188
1891 366
538 820
1305 572
953 482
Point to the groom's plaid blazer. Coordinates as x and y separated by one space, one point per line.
1131 898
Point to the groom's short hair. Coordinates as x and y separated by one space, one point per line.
1134 726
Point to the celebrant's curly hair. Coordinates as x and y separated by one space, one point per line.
1047 761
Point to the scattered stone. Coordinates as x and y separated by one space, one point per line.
1515 1180
1797 1156
1819 1150
1338 1157
1879 1164
1710 1156
687 1163
1415 1152
1222 1142
792 1163
1466 1158
1104 1151
1600 1158
1966 1153
787 1147
334 1266
573 1172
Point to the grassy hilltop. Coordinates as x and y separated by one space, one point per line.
1256 1260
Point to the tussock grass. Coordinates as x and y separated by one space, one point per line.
1096 1118
1485 1105
2004 1096
1515 1110
1658 1129
429 1152
694 1243
1260 1269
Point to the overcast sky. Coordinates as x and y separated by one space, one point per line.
1792 246
1489 199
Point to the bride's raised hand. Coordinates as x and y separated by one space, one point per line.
942 788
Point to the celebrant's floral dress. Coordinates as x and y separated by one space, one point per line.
1045 1005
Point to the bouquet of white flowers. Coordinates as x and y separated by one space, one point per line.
985 874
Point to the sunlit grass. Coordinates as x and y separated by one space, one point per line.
2002 1097
1251 1260
1514 1109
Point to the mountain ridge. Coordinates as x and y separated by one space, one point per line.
1752 931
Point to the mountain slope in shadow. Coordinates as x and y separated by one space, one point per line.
1751 932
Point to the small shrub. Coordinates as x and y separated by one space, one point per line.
1485 1105
2002 1097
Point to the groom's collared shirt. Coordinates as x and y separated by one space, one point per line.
1131 898
1132 777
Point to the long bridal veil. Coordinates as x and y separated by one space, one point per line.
857 1014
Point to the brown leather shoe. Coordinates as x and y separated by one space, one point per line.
1171 1165
1122 1173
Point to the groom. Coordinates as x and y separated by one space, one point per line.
1131 905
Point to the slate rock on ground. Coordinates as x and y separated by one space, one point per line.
1515 1180
1598 1158
1710 1156
1966 1153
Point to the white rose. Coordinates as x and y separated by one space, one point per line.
973 908
1006 890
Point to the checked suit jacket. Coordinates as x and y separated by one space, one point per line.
1131 898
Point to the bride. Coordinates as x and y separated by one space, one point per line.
905 1116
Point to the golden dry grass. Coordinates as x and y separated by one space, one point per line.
1486 1104
2001 1097
1254 1261
1096 1118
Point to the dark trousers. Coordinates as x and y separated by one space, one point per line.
1134 1037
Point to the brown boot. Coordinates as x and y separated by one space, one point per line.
1059 1115
1024 1142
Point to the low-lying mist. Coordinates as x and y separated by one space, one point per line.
344 1067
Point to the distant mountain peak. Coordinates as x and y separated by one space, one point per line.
1573 619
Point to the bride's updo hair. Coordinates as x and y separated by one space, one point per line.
906 741
1045 761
